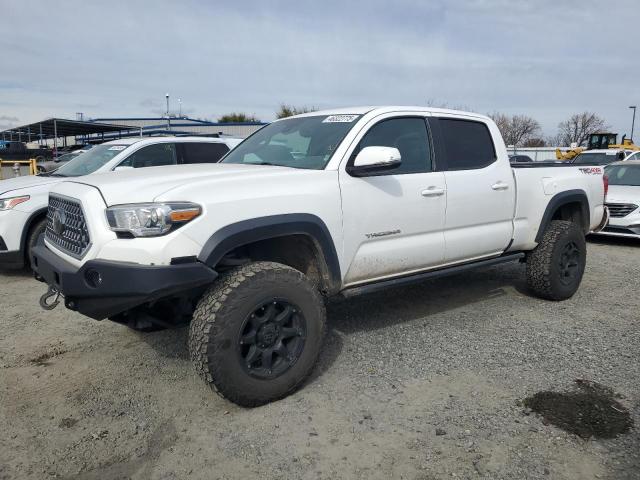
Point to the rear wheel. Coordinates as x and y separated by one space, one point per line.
555 267
257 332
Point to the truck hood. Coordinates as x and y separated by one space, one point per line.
27 181
623 194
147 184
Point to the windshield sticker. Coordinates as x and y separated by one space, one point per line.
340 118
118 148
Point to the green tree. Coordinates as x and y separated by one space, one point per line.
290 110
237 117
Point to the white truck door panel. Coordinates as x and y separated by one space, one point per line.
390 226
393 222
480 192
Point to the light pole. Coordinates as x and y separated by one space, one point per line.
168 120
633 122
180 108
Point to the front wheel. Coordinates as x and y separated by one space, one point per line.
257 332
555 267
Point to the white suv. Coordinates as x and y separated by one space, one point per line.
24 200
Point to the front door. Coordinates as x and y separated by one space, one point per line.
393 222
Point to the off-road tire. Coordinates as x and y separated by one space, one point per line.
544 271
37 229
220 315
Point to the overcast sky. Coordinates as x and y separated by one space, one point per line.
547 59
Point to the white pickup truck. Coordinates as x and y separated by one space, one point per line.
344 201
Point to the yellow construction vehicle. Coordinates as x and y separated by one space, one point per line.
599 141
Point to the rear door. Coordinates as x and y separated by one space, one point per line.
480 189
205 152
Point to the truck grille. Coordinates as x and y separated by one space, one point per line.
621 209
66 226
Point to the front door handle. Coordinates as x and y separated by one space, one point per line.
500 186
432 192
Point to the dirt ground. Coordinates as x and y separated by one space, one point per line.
420 382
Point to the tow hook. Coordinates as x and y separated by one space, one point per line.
45 300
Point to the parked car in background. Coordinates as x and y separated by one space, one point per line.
520 158
50 165
600 157
23 200
343 201
623 199
12 150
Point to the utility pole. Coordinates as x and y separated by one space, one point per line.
168 120
633 122
180 108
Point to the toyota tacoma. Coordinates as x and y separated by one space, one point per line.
336 202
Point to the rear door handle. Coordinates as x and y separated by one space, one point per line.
432 192
500 186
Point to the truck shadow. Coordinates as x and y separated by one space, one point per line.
380 310
430 297
620 241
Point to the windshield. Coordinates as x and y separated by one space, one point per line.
89 161
601 158
305 142
624 175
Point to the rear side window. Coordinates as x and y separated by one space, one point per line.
152 156
468 144
409 136
203 152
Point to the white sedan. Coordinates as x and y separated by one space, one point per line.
623 199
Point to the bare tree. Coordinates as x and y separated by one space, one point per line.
289 110
534 142
516 129
578 128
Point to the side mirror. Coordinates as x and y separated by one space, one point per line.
122 167
373 160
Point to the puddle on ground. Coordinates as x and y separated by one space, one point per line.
590 410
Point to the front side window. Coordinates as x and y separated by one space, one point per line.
298 142
203 152
152 156
409 136
624 175
468 144
89 161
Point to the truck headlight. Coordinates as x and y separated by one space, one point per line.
9 203
151 219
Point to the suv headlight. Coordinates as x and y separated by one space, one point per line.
9 203
151 219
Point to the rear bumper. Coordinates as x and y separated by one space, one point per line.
101 289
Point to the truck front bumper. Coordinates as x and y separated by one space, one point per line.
101 289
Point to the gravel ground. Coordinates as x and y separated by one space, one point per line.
416 382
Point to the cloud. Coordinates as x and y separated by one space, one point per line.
546 58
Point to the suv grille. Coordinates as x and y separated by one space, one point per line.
621 209
66 226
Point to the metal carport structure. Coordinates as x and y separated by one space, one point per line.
55 128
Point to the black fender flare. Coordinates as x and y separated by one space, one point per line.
564 198
263 228
27 226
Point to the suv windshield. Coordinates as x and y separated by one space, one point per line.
304 142
89 161
624 175
600 158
